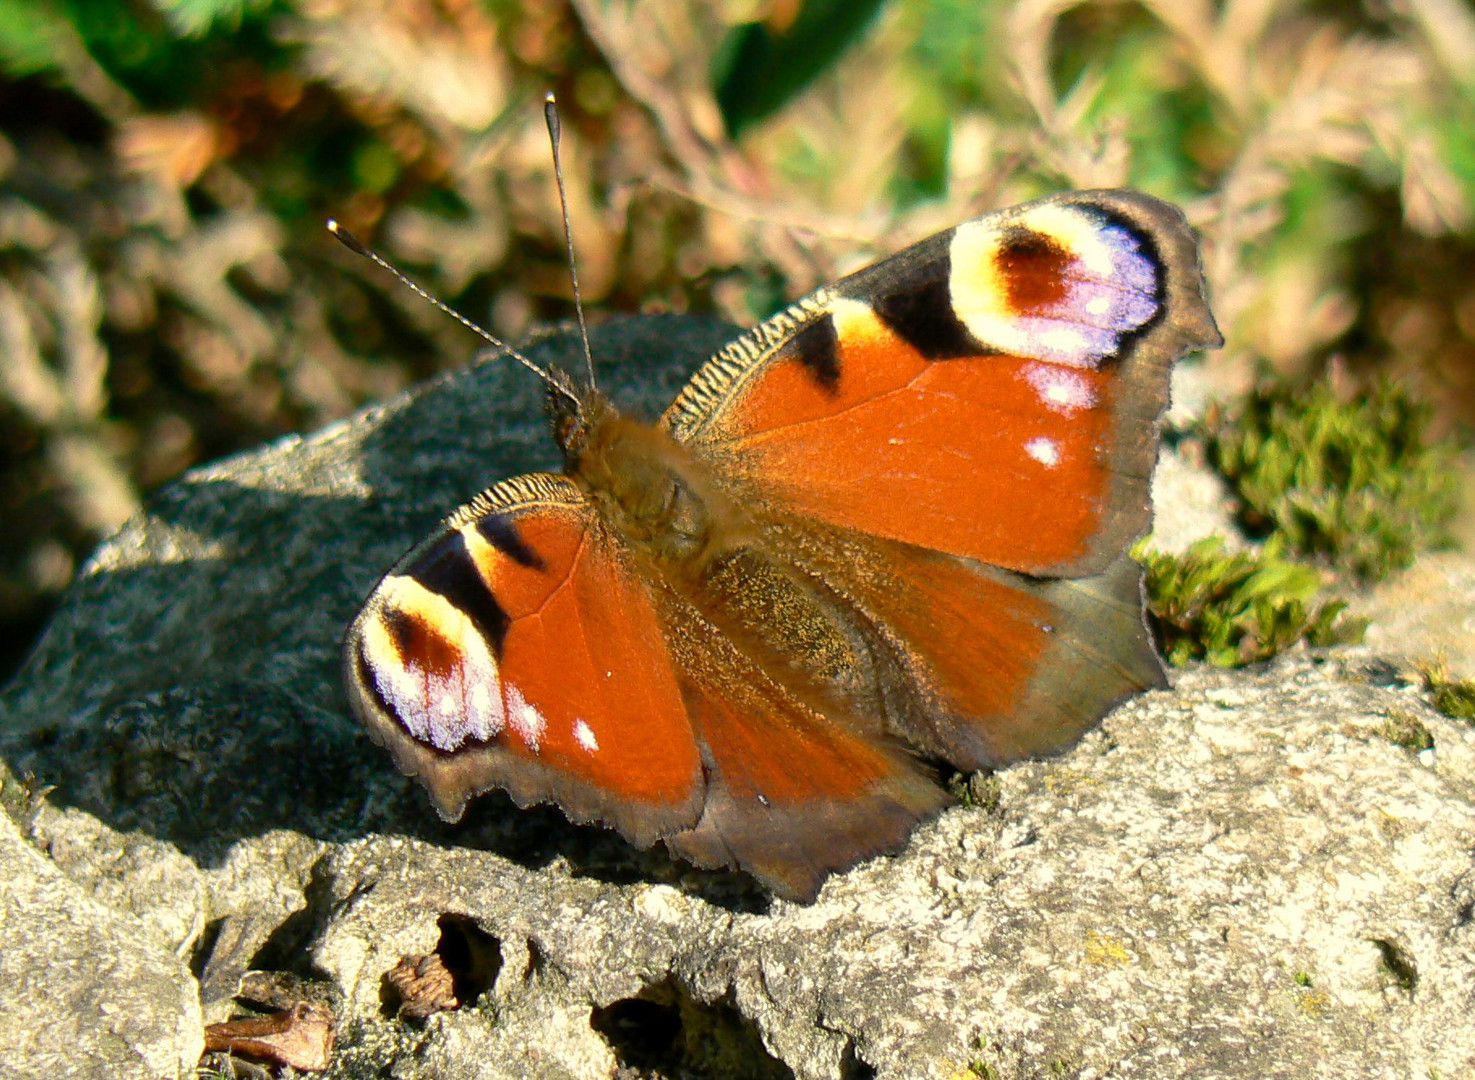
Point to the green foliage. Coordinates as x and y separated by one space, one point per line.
166 55
194 17
758 70
1355 483
1403 728
1169 121
1238 608
32 37
1453 697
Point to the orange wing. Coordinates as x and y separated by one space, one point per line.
517 649
991 392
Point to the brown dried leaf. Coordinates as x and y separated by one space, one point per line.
301 1037
424 986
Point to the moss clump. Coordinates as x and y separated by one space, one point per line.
1455 698
1237 608
1353 482
1403 728
981 789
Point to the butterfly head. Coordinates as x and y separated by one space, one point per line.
574 411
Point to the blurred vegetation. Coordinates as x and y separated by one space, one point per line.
167 293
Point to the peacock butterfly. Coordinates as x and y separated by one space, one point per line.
885 528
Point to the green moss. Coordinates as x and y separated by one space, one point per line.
21 797
985 791
1355 483
1403 728
1238 608
981 790
1455 698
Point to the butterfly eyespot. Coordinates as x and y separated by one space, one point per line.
883 531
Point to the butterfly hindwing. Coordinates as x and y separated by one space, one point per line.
1024 666
794 793
518 649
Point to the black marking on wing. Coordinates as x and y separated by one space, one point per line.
500 531
922 313
817 348
448 570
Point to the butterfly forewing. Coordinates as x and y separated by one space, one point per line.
991 392
519 649
974 420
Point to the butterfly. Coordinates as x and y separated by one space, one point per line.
884 530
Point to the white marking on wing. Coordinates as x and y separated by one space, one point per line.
525 719
1059 388
584 736
1045 451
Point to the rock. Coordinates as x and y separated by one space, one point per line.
85 989
1239 877
1426 613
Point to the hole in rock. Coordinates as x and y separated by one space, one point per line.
287 948
854 1067
463 966
204 946
1399 963
665 1034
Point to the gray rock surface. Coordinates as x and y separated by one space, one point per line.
85 988
1240 877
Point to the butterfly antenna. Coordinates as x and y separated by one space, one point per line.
550 114
358 247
